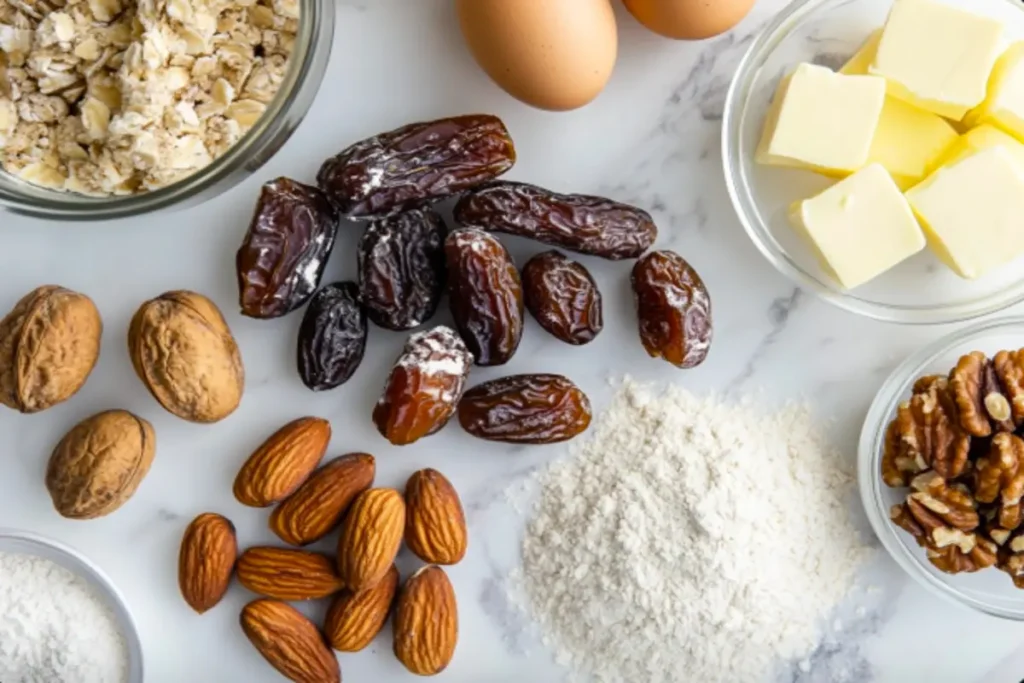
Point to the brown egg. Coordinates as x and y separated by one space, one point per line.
689 19
552 54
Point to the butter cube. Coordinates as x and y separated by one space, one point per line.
910 142
937 57
822 120
1004 106
983 137
860 227
860 63
972 212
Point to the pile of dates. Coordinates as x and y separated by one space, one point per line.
408 259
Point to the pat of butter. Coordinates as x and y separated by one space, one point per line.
971 212
910 142
1004 106
937 57
860 227
983 137
822 120
860 63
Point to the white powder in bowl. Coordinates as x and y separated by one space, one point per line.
689 539
54 627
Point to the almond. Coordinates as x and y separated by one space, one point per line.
355 619
283 462
206 560
290 642
319 505
435 526
288 574
426 622
370 538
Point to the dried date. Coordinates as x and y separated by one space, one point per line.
674 309
528 409
563 297
401 268
486 295
416 165
282 259
580 223
332 337
424 388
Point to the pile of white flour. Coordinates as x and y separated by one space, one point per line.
689 539
54 628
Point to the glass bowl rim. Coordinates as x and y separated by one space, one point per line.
316 17
746 207
869 454
96 577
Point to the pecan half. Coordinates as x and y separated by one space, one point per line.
1009 367
1001 478
1011 556
951 549
929 433
983 406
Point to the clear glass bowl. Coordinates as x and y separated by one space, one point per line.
283 115
23 542
990 591
920 290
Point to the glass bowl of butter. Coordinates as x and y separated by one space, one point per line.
874 152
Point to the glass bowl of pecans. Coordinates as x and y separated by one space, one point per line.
828 33
941 467
115 108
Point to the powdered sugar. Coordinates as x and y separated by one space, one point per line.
689 539
54 628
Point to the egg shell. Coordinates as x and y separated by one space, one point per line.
552 54
689 19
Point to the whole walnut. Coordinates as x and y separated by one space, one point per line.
99 464
184 353
49 344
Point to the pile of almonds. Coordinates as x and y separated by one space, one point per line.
363 579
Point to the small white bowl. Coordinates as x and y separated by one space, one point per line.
26 543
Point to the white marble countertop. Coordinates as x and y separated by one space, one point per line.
652 138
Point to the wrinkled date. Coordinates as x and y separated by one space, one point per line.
401 268
416 165
282 259
485 294
530 409
674 309
580 223
563 297
332 337
424 387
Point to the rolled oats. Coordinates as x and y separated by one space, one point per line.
115 97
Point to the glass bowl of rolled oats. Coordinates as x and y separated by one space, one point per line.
114 108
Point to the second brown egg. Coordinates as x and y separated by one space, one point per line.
555 55
689 19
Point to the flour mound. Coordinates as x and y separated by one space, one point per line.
689 539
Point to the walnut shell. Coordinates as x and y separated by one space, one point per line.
184 353
99 464
49 344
